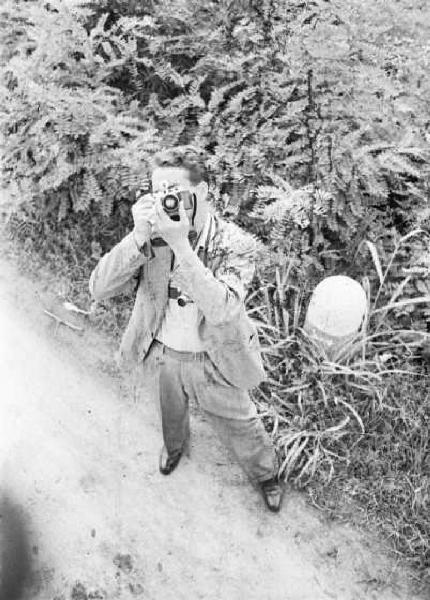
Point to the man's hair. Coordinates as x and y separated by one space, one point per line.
189 157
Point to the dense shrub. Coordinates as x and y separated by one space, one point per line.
316 114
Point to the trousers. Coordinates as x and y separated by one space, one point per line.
185 377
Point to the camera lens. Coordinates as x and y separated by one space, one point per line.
170 203
183 300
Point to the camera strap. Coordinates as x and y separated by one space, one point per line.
158 241
194 209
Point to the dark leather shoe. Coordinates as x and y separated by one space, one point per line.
272 493
169 462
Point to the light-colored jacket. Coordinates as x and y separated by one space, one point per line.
217 284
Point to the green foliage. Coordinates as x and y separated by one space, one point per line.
294 95
357 418
70 140
385 473
315 113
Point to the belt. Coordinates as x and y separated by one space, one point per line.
181 354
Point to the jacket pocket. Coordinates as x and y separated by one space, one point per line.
213 375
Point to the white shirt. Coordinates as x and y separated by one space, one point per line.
179 326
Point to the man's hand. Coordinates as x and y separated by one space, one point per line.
175 233
143 211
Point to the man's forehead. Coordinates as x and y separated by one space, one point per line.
173 175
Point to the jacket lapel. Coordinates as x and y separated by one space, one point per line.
158 277
206 253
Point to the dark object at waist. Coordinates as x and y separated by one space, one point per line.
158 241
176 294
173 292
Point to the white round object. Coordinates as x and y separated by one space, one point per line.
337 307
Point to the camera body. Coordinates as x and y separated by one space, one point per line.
170 199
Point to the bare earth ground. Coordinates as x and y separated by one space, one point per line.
79 455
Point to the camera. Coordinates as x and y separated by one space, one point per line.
170 196
170 202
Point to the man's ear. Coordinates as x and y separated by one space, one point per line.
202 189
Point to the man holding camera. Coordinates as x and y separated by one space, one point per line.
191 269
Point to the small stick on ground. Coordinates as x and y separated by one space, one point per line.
75 327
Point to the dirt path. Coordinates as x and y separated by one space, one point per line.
79 464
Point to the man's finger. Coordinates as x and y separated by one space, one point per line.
143 202
182 212
147 199
157 201
161 213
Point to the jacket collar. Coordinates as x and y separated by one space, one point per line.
207 232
